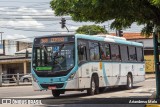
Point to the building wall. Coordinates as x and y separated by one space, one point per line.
10 47
23 45
146 42
13 46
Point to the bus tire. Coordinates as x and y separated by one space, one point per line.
94 86
129 82
56 93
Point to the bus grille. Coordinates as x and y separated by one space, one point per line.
50 85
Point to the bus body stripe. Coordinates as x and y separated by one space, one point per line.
104 74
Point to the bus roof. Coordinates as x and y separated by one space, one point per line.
108 38
58 34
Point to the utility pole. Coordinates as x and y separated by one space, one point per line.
157 63
1 37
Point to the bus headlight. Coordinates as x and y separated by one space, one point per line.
71 76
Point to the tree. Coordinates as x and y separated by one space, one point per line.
91 29
124 12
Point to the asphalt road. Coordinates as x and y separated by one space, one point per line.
140 90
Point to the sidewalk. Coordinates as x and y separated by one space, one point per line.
150 76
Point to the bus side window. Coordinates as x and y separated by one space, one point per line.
115 52
139 51
82 54
132 53
105 51
124 53
94 51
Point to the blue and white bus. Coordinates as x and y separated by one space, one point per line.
85 62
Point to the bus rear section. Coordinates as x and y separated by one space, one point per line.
108 63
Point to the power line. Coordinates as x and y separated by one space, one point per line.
39 4
15 7
33 30
43 14
31 19
31 26
29 6
22 2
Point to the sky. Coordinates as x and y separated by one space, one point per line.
22 20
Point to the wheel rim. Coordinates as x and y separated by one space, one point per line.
93 86
130 82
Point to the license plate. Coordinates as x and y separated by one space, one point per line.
52 87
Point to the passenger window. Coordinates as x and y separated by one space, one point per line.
115 52
132 53
124 53
82 53
139 54
105 51
94 51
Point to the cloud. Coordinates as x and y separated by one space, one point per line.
17 37
36 13
25 23
73 27
2 9
28 17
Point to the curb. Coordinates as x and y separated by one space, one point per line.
150 78
14 85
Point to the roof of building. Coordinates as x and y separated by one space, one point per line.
24 51
130 36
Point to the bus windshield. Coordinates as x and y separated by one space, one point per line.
53 58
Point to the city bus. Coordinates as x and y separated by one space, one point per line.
78 62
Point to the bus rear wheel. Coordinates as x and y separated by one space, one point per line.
129 82
94 87
56 93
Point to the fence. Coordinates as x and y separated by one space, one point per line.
15 79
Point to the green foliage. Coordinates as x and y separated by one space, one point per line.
91 29
124 12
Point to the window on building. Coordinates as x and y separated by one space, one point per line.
115 52
105 51
139 54
124 53
132 53
82 52
94 51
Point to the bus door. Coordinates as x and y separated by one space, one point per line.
116 64
82 62
116 70
106 63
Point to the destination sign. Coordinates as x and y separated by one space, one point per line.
50 40
53 39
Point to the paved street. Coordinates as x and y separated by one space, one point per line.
143 89
140 90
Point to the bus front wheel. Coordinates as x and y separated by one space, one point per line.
56 93
94 87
